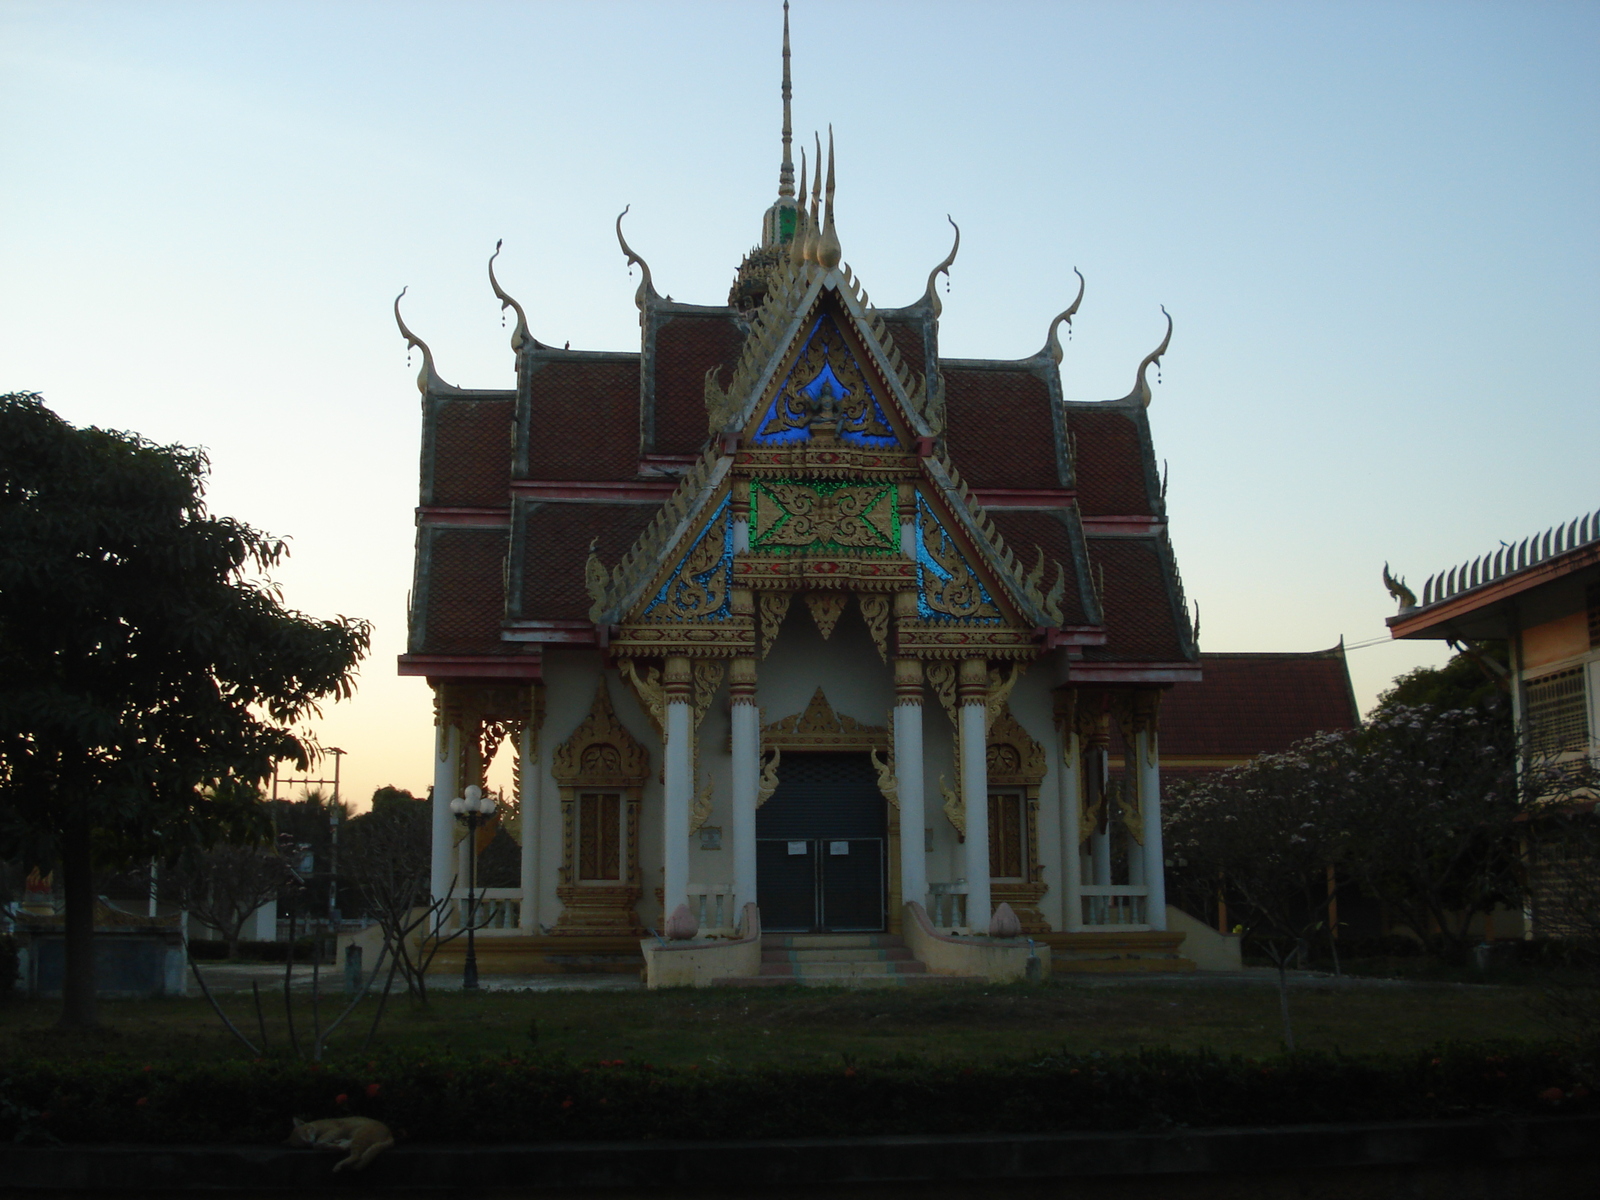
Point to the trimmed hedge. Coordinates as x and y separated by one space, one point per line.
539 1099
215 950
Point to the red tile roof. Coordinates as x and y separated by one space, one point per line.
1028 532
1109 461
1249 704
584 417
998 427
687 346
1140 616
472 451
465 592
555 541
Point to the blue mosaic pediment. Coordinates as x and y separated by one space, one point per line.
948 589
827 383
700 588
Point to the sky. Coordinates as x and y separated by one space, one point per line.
1376 226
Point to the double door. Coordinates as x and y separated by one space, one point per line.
821 847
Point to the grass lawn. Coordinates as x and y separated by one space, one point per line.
971 1023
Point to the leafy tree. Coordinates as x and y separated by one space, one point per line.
1269 829
223 885
1475 678
148 667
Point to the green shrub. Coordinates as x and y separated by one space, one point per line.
533 1099
10 966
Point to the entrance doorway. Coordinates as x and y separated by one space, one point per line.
821 843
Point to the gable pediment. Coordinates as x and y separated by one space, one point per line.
826 384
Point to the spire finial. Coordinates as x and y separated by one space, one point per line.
828 251
814 224
797 244
786 171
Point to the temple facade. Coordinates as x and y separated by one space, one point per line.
786 608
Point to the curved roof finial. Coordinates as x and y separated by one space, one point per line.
646 287
797 244
1052 346
829 252
814 224
1141 386
786 170
520 336
427 378
932 293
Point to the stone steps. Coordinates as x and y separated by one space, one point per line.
854 960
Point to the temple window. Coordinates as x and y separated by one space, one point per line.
599 840
1006 835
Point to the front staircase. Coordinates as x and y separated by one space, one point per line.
854 960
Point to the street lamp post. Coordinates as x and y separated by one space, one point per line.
472 808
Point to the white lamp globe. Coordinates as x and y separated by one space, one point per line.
486 805
458 806
474 794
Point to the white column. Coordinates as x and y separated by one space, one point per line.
1155 877
908 780
532 816
1071 845
973 694
746 732
446 776
679 768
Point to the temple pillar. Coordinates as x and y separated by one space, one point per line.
908 779
1146 751
973 696
529 797
746 736
446 779
679 785
1071 833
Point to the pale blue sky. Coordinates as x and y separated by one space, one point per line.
1377 227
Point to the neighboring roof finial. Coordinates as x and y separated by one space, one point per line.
932 294
1052 346
814 225
786 171
427 378
797 244
646 287
1397 588
1141 386
520 336
829 252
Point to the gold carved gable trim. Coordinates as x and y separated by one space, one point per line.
601 752
1015 759
820 728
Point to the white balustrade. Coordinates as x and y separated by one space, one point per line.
1109 906
947 904
713 907
497 910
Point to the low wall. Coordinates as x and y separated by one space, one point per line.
999 960
700 963
130 963
1203 945
1482 1157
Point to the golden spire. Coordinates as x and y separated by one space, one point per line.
786 171
828 249
797 244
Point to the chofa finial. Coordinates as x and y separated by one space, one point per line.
646 287
1404 596
931 295
427 379
1052 346
520 337
829 251
814 224
1141 385
797 244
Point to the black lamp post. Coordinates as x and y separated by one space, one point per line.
473 808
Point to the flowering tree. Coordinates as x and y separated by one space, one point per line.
1269 829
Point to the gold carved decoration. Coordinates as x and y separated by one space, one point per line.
688 597
708 674
600 755
999 689
887 784
769 776
1014 758
820 728
601 752
773 606
826 610
960 595
700 811
648 688
955 812
942 677
875 612
853 411
795 514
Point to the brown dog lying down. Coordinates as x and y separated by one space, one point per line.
362 1136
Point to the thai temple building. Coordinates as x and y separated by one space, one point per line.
784 608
